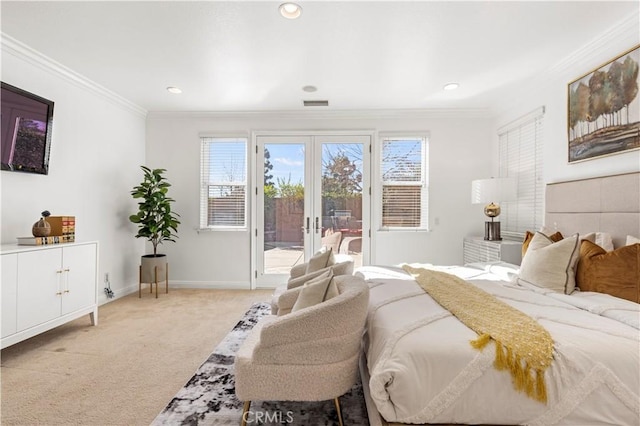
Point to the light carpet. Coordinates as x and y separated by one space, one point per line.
209 397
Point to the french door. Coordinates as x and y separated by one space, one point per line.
311 191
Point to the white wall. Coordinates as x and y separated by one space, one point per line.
550 90
99 140
458 151
96 148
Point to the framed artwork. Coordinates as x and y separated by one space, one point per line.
603 116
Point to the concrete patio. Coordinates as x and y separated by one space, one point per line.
279 260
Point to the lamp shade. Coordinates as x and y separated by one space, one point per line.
485 191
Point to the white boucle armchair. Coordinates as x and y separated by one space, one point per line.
297 276
307 355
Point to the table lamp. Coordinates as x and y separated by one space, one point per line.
490 192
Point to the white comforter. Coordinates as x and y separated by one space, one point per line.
423 369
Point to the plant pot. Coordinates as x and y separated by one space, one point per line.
149 263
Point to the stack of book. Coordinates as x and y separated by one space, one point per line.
63 230
64 227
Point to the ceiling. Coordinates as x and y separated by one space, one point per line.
244 56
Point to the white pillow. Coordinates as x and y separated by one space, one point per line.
632 240
312 293
547 231
603 239
550 265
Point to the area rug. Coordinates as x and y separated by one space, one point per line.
209 397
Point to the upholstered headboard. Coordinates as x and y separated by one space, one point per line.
605 204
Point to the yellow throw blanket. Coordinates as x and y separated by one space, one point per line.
522 345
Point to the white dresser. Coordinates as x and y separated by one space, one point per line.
46 286
477 249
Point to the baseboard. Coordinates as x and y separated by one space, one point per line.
269 286
214 285
117 294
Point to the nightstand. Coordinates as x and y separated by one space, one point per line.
477 249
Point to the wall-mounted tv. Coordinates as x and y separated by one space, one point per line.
27 121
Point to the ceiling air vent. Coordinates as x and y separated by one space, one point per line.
315 103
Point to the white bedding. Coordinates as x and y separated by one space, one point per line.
423 369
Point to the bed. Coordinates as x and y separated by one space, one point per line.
420 368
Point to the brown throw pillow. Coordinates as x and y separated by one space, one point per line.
615 272
529 235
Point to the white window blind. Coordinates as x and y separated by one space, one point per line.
404 182
520 157
223 182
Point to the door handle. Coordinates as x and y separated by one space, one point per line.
307 227
59 273
66 280
317 224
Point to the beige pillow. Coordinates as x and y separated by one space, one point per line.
342 268
332 240
332 290
332 258
549 264
298 281
312 293
616 272
319 260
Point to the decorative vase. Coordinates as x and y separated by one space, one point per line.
492 210
41 228
149 265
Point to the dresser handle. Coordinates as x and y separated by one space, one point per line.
58 292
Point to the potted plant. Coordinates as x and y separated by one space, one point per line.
156 222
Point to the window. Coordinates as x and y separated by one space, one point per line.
404 172
223 177
520 157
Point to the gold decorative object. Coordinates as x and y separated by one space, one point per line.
492 210
492 191
42 228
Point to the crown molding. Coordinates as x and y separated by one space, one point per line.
624 33
326 114
626 28
20 50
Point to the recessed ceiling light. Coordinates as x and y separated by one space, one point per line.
310 89
451 86
174 90
290 10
